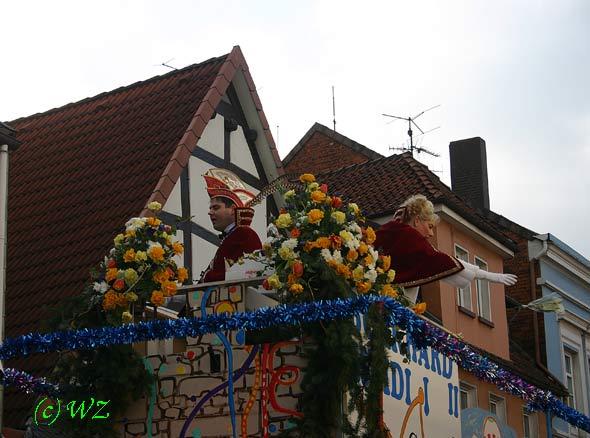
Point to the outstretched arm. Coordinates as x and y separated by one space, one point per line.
471 272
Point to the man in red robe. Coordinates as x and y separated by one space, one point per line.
230 214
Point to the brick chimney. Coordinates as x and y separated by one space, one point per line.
469 171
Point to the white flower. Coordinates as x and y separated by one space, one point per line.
352 243
353 227
289 243
100 287
371 275
272 230
134 223
338 256
326 254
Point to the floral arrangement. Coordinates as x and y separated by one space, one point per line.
140 267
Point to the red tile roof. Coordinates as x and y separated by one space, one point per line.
85 168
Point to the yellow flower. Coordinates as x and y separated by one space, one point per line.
140 256
390 275
296 288
109 300
286 253
118 239
323 242
343 270
352 255
157 298
289 195
130 233
354 208
154 206
363 248
313 186
274 282
368 260
419 308
339 217
307 178
345 235
111 274
371 236
358 273
388 291
126 317
153 221
363 286
130 276
156 253
386 260
177 247
182 274
318 196
284 220
129 255
131 296
315 216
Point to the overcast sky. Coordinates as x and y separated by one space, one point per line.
516 73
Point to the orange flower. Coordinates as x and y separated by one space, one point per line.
169 288
352 255
111 274
328 200
309 245
419 308
370 235
110 300
388 291
177 248
363 248
160 276
343 270
318 196
156 253
153 221
307 178
336 242
157 298
315 216
363 286
129 255
368 260
291 279
296 288
386 260
182 274
295 233
297 268
323 242
121 300
336 202
119 284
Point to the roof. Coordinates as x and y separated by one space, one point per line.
8 136
397 177
85 168
565 248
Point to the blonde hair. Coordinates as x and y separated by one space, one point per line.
417 206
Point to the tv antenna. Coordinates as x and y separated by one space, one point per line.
411 121
165 64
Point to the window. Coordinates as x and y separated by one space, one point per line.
498 407
468 396
463 294
570 377
483 292
529 425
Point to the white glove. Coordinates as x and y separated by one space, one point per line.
506 279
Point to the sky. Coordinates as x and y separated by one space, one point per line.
512 72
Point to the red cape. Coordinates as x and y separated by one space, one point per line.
414 259
241 240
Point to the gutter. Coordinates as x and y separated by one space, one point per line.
3 252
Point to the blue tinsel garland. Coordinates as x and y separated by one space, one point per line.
422 334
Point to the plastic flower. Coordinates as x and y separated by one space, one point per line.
336 202
390 276
131 296
345 235
286 253
154 206
118 239
324 188
371 275
284 220
161 276
130 276
157 298
323 242
315 216
274 282
156 252
153 221
388 291
363 248
371 236
352 207
111 274
352 255
386 262
129 255
110 300
169 288
140 256
119 284
296 288
419 308
318 196
363 286
100 287
111 264
182 274
126 317
338 216
178 248
289 195
307 178
297 268
295 233
313 186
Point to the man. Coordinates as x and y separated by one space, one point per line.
230 214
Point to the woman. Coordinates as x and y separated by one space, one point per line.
415 260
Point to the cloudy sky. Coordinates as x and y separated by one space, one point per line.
515 73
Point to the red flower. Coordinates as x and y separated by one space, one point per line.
324 188
283 211
266 285
336 202
336 241
119 284
111 264
297 269
295 233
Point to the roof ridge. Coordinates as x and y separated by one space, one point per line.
116 90
364 163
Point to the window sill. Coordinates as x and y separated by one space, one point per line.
486 321
466 311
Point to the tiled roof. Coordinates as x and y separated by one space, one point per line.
380 186
85 168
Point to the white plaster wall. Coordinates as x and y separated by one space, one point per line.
240 152
173 204
203 253
198 193
212 137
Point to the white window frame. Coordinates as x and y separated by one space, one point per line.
465 291
572 374
531 419
500 406
483 287
471 394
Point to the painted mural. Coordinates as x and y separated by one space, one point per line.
477 423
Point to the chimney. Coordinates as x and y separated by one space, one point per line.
469 171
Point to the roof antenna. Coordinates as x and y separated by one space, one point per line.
165 64
334 108
277 136
411 122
